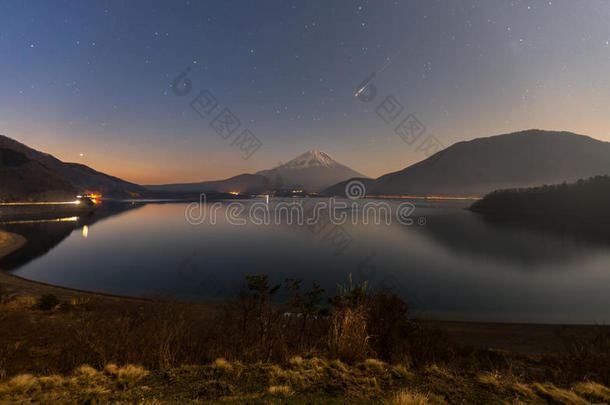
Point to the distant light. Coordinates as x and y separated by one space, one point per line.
35 221
85 231
81 154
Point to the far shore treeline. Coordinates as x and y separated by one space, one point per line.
584 199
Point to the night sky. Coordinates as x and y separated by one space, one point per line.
90 82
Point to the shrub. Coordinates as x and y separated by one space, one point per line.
587 356
389 326
348 337
48 302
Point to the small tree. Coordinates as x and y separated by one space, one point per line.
260 292
306 304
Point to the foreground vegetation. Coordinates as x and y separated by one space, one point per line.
298 381
357 347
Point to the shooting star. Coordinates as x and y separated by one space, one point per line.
363 86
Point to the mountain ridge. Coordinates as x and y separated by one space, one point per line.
465 169
82 178
476 167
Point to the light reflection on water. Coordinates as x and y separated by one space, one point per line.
456 266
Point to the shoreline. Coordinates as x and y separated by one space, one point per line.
529 338
19 286
525 338
9 242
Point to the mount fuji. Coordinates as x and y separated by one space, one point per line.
311 171
314 170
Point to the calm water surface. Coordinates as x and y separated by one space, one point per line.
456 265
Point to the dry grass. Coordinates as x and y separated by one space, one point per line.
439 371
348 338
310 380
129 375
558 395
280 390
490 379
524 390
296 361
222 365
21 384
237 360
593 391
84 385
409 398
160 335
373 365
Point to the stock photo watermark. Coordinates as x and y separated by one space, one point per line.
225 123
336 211
406 126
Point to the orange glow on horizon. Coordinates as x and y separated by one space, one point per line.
417 197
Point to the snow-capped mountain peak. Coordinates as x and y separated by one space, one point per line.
311 158
313 170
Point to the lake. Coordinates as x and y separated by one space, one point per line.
449 263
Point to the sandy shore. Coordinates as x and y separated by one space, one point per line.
9 242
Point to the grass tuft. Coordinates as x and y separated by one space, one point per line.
593 391
409 398
373 365
524 390
489 379
348 338
23 383
221 364
296 361
130 375
558 395
280 390
86 371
